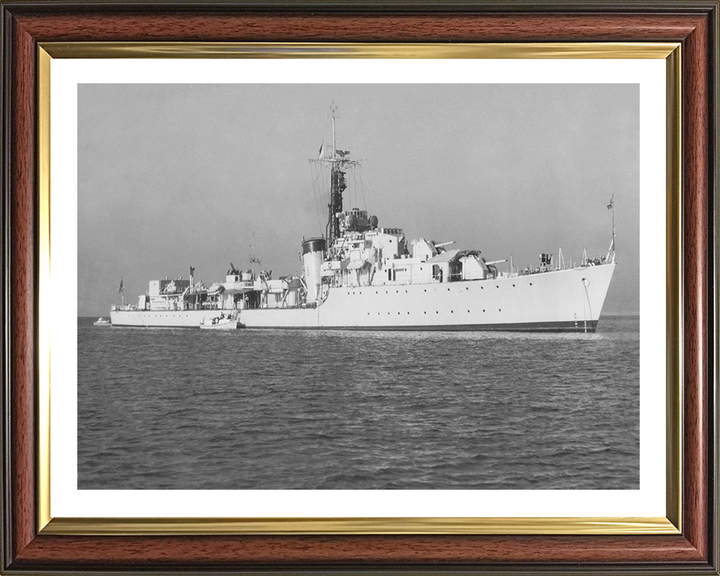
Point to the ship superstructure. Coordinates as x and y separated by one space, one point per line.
359 275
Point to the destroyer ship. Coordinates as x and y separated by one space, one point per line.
361 276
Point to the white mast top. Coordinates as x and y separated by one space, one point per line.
333 109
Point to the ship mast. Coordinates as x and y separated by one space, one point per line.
611 251
339 162
121 291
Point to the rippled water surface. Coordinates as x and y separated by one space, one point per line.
272 409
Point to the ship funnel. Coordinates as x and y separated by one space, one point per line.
313 253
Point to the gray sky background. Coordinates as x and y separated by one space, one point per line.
172 176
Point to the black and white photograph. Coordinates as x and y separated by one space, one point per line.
358 286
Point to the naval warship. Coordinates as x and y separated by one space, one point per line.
361 276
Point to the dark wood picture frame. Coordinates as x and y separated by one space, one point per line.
693 24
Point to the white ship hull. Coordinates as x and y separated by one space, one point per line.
160 318
565 300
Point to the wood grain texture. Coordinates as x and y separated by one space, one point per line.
361 550
686 553
22 293
319 27
695 227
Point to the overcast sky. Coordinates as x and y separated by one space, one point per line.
173 176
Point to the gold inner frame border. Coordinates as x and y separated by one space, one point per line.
671 524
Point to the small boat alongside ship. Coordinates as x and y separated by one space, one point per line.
361 276
102 322
221 322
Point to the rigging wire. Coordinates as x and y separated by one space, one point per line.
355 194
313 182
380 205
355 186
324 178
362 190
314 189
323 190
354 191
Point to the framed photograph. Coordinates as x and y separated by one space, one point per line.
351 288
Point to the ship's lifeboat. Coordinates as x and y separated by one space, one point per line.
215 289
221 322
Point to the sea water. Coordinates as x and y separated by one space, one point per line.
293 409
